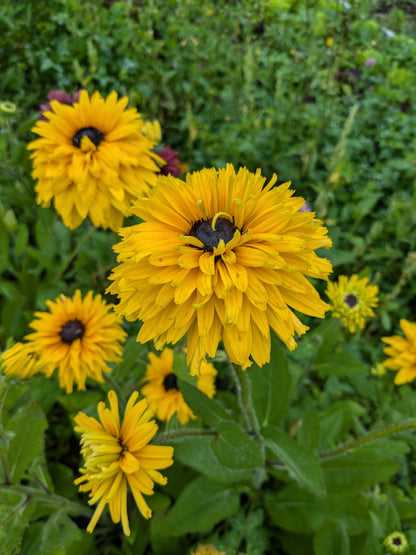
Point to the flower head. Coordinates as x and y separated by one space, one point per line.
162 391
7 107
352 300
207 549
221 256
402 353
79 337
23 360
396 542
118 454
92 159
172 163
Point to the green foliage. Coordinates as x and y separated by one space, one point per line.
320 92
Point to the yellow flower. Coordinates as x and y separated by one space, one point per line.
161 387
207 549
402 353
329 41
352 300
152 130
78 336
23 360
221 256
7 107
92 159
119 455
396 542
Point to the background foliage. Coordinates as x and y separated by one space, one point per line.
320 92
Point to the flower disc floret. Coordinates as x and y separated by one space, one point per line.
220 257
116 455
92 159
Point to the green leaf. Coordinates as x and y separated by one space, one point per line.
345 475
332 538
28 424
59 531
198 454
234 448
339 364
301 462
271 386
207 409
200 506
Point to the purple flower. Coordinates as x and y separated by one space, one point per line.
173 164
370 62
61 97
305 208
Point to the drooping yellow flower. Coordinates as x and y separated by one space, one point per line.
162 391
352 300
152 130
402 353
92 159
221 256
117 455
79 337
23 360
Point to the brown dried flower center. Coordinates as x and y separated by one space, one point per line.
74 329
202 230
93 133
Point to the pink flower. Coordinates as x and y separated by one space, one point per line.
61 97
370 62
173 164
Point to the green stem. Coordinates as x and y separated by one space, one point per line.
114 385
48 497
354 443
245 399
182 435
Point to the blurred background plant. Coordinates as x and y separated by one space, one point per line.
320 92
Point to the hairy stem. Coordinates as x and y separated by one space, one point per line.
245 399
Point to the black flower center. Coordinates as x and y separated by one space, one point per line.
74 329
93 133
397 541
170 382
202 230
351 300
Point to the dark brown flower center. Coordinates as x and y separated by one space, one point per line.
170 382
74 329
202 230
397 541
351 300
93 133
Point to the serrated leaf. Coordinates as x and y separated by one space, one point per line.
234 449
28 424
301 462
59 532
207 409
201 504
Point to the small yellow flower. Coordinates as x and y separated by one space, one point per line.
329 41
118 455
396 542
402 353
162 391
352 300
152 130
210 12
207 549
378 370
8 107
23 360
79 337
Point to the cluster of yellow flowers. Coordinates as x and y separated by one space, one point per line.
220 257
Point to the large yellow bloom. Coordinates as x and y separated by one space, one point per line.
221 256
92 159
353 300
23 360
116 455
162 391
402 353
79 337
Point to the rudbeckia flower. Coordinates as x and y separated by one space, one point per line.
118 455
162 391
79 337
92 159
352 300
23 360
402 353
222 256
